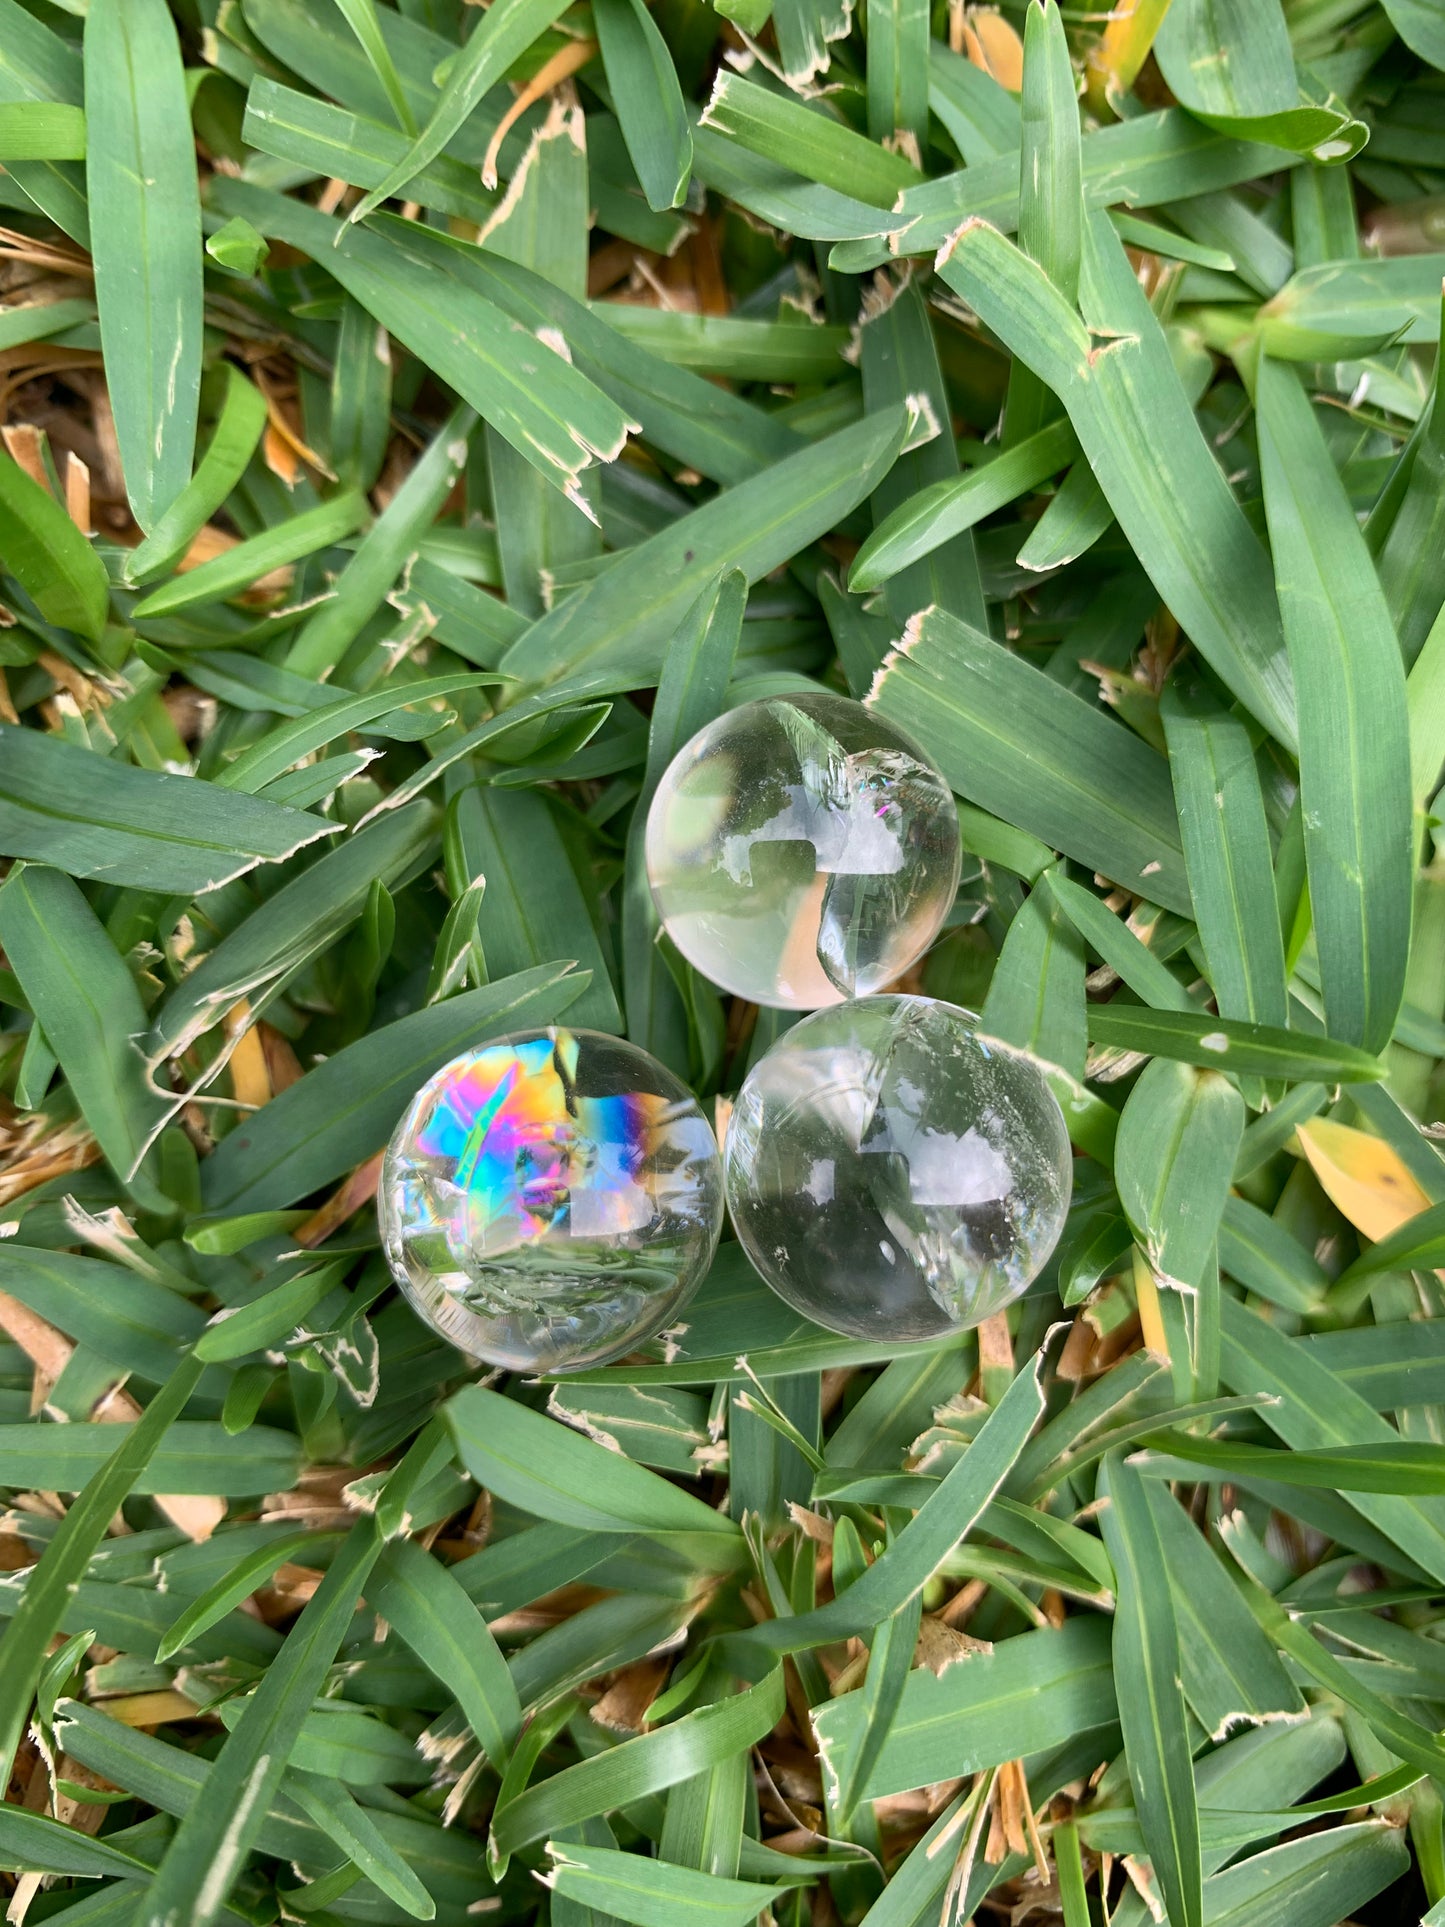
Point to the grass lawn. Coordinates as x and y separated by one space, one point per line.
419 420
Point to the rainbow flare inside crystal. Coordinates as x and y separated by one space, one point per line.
548 1201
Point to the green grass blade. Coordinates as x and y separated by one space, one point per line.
705 1816
542 226
678 1751
1230 1672
196 1456
1354 732
443 1628
1036 994
354 148
1167 244
650 1892
1221 1043
898 50
535 907
1173 1160
49 557
744 349
548 410
777 194
982 118
720 433
1073 1898
323 50
1231 63
551 1471
782 130
293 924
99 818
137 1322
1146 160
37 323
346 1822
239 1583
649 100
238 429
624 618
889 1662
225 574
1033 1692
1425 699
1071 524
87 1001
382 553
1418 1245
1016 743
1410 1467
946 508
262 762
172 1780
899 359
1151 1701
1418 24
897 1574
38 65
804 29
269 1319
1304 1882
1051 199
1161 480
1406 1738
361 17
32 1843
1117 944
1261 1253
201 1864
1409 560
1352 308
28 1637
146 242
1227 854
1312 1408
1051 203
496 43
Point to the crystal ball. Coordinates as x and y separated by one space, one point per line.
801 850
550 1200
894 1174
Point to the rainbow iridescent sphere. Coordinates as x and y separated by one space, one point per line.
551 1200
801 850
893 1173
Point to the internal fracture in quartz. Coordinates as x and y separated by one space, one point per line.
801 850
894 1173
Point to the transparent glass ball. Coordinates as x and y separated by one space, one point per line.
894 1174
802 850
550 1200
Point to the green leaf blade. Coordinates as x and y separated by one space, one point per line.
1151 1701
146 233
1354 732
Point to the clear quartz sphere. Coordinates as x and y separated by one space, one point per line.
551 1199
894 1174
802 850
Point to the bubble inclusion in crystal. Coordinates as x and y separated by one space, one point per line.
550 1200
801 850
894 1174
